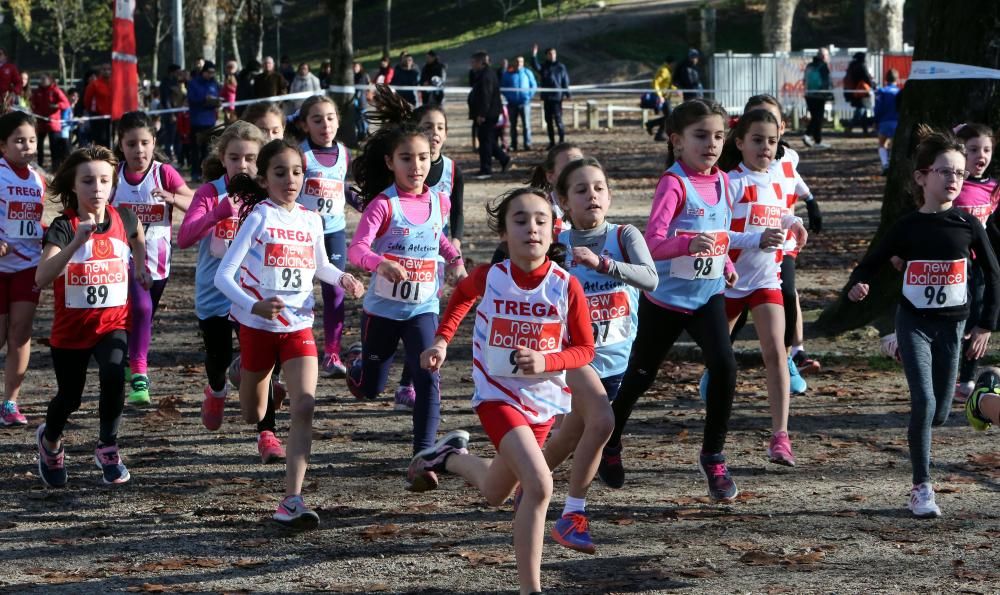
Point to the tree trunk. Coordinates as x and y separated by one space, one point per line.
541 15
387 45
778 25
260 32
884 25
963 33
234 21
342 65
209 28
158 19
61 48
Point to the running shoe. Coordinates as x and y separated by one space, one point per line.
10 415
333 367
353 355
353 362
703 387
109 461
212 408
293 513
824 146
797 385
922 503
426 464
610 470
572 530
805 364
780 450
987 384
962 391
139 394
721 487
233 373
269 447
808 140
405 398
51 465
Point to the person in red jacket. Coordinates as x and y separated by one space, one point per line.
97 102
49 101
10 80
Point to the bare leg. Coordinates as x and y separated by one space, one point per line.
301 374
253 394
769 320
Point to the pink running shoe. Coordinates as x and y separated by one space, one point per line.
269 447
211 410
780 450
10 415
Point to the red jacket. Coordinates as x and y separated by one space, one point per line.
49 102
97 97
10 79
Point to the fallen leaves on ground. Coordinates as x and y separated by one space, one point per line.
486 559
379 531
800 558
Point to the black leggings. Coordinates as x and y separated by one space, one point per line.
788 295
217 332
659 328
71 377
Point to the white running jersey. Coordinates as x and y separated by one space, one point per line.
792 187
154 215
21 216
508 318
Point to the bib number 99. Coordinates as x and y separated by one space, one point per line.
935 294
97 294
325 206
291 278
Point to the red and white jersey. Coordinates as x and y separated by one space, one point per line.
91 295
792 187
153 214
759 204
21 216
977 198
509 318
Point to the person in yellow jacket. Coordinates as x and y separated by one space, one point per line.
663 82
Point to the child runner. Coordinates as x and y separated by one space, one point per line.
612 264
268 117
402 299
211 222
979 197
277 252
86 253
688 238
519 374
982 409
21 191
759 224
151 189
935 243
445 178
327 164
887 116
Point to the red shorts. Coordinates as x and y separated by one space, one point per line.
18 287
258 348
498 418
759 297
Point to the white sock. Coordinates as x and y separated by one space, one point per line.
883 156
574 505
796 349
220 394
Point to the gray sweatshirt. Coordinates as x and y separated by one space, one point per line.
640 272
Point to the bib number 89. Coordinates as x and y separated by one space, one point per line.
95 293
291 278
935 294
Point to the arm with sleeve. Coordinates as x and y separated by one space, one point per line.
640 271
580 349
225 277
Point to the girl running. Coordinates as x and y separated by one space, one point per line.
688 238
268 117
978 197
982 408
935 243
887 116
277 251
537 322
760 223
211 222
399 239
326 165
86 253
21 191
151 189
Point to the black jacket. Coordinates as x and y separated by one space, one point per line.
553 75
484 99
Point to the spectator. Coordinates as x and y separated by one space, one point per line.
230 85
245 84
519 102
818 92
887 116
49 101
687 77
67 124
503 68
484 109
203 101
325 74
199 64
407 75
10 80
433 74
662 86
269 83
25 99
303 81
385 72
97 102
361 83
287 70
554 76
858 86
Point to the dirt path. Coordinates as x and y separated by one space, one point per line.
195 517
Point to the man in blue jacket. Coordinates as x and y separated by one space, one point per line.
519 102
203 102
554 76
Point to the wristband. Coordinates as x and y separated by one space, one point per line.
604 265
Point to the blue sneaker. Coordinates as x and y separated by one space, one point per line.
51 465
109 461
573 531
797 384
703 387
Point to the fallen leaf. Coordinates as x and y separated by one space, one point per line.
699 572
481 559
249 563
379 531
148 588
623 521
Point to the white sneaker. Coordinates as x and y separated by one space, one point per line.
922 503
824 146
962 392
808 140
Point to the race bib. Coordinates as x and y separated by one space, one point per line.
709 264
222 236
610 317
931 284
326 195
763 217
24 221
419 285
981 212
507 336
288 267
96 284
153 214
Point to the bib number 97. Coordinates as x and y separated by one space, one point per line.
600 330
97 294
935 294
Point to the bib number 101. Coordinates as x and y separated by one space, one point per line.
406 290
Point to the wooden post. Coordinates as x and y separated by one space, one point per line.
576 117
645 116
611 116
593 119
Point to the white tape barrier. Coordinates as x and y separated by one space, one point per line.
927 70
